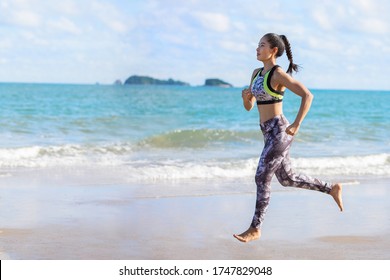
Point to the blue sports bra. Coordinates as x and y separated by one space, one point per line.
262 89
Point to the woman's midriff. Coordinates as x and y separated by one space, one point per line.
269 111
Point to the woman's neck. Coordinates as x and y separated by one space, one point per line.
268 64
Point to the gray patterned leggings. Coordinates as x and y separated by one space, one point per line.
275 159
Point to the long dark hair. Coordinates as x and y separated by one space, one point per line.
281 42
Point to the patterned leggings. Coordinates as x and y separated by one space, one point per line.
275 159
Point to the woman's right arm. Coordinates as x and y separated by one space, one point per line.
247 96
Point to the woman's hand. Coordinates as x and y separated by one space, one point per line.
247 98
292 129
246 94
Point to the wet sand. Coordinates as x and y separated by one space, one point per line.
104 222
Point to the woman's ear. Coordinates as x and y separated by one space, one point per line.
275 51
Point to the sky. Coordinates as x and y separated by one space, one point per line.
339 44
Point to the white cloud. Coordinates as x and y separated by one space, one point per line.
321 17
118 26
67 7
26 18
351 16
374 25
325 43
64 24
213 21
5 43
234 46
111 16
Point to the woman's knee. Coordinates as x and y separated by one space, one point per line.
285 181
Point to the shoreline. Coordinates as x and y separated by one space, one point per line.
106 222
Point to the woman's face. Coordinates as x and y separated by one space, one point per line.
264 50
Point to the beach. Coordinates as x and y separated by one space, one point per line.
114 222
107 172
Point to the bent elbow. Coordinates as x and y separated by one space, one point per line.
309 96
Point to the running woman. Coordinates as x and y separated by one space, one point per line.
266 90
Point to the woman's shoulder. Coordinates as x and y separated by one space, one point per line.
279 72
281 77
256 71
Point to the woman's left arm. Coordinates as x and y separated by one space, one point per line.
299 89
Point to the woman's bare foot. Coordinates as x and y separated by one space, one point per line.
336 193
249 235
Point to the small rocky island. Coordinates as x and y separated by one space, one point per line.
144 80
217 83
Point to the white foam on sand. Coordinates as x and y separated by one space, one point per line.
179 164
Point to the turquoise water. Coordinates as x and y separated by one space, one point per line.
170 133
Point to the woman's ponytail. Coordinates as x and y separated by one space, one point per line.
292 66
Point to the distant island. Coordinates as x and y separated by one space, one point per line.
217 83
144 80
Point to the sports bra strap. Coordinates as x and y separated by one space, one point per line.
257 74
267 84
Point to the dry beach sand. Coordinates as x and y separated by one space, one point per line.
49 217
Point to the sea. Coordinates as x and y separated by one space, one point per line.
165 134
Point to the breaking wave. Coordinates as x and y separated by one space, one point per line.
145 166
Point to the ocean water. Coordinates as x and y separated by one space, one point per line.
170 133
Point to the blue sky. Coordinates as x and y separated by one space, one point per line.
339 43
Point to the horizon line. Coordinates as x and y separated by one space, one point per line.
189 85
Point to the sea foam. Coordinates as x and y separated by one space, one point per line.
143 165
